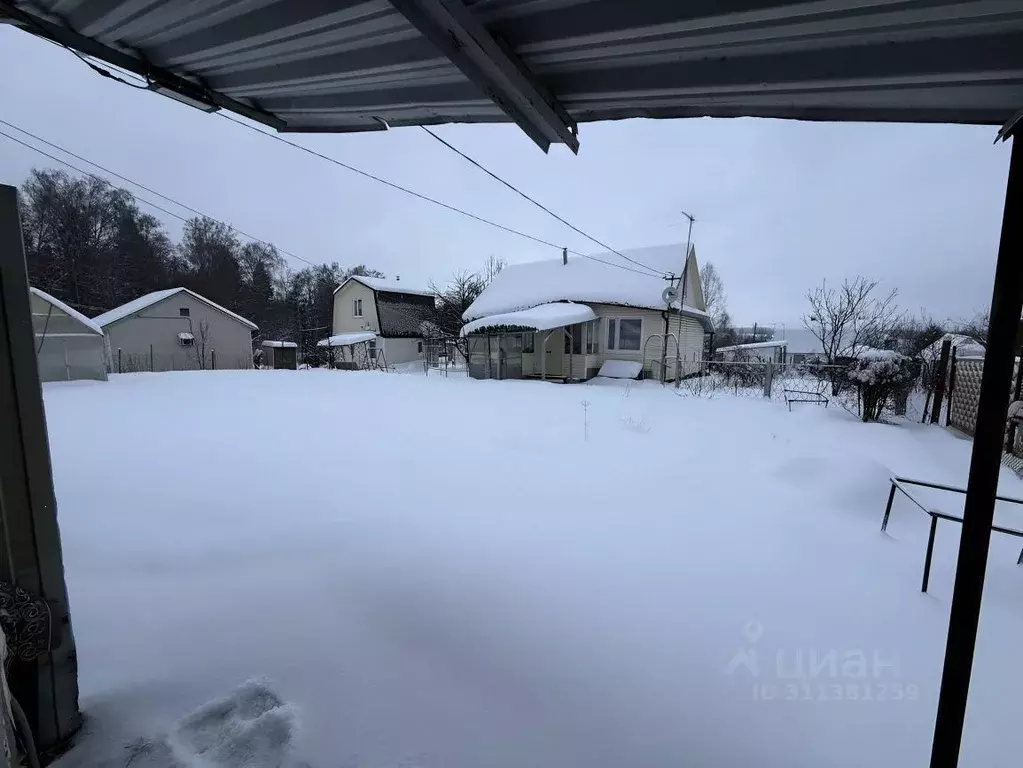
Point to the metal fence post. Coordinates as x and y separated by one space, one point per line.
119 360
30 548
150 358
213 354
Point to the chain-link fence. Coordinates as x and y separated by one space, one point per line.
155 362
797 385
445 355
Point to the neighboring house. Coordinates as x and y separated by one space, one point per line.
562 319
761 351
176 330
393 311
964 346
790 347
68 344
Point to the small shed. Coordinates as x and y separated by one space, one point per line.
69 345
280 354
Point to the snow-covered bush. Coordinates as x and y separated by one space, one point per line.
878 373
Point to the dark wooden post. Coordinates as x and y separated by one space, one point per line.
939 381
979 509
30 549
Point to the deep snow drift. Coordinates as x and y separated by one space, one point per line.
443 572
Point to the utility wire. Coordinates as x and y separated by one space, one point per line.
106 73
539 205
100 70
141 186
427 198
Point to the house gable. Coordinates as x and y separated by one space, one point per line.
345 319
694 285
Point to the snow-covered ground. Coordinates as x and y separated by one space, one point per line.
441 572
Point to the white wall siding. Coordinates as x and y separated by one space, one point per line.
398 351
688 330
344 320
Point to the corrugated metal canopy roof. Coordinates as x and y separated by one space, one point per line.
337 65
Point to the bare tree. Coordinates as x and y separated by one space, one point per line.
493 266
976 327
453 299
200 341
713 293
850 318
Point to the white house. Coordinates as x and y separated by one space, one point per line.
68 344
175 330
964 346
760 351
790 347
562 319
393 311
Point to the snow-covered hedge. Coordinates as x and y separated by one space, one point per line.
879 373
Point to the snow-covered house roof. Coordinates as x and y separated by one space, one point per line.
522 286
799 341
542 317
346 339
965 346
72 313
755 345
387 286
279 344
143 302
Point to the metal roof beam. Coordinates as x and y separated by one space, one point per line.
493 67
66 36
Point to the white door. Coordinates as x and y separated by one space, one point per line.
554 352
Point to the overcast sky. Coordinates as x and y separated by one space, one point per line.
780 205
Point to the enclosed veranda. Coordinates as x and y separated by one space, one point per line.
535 343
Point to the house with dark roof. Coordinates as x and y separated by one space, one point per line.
394 311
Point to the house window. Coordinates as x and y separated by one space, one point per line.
527 343
419 347
574 340
356 307
184 311
593 337
624 333
371 344
186 339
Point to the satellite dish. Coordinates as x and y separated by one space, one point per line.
669 295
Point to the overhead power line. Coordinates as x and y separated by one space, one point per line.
140 186
143 85
429 199
539 205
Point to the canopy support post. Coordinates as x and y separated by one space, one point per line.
978 513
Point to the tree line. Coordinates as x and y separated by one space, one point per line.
88 244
